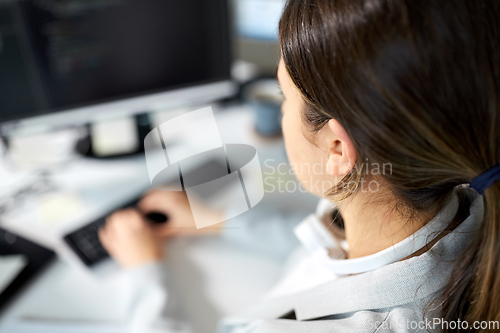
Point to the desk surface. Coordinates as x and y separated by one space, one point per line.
65 292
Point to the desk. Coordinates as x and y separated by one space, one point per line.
66 292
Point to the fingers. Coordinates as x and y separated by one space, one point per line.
161 201
120 224
104 237
128 216
150 202
129 239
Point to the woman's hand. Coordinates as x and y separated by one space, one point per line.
129 239
176 206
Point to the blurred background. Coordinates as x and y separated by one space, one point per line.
82 82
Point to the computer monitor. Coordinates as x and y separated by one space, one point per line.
71 61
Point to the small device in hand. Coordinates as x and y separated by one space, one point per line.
157 218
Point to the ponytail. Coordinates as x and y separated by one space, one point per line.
473 291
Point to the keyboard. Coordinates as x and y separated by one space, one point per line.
85 241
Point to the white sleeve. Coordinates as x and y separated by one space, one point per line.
151 305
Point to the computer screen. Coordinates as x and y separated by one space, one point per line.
64 54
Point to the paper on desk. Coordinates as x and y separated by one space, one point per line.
10 267
56 207
31 326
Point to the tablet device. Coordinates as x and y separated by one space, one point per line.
20 261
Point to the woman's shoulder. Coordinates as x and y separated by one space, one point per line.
404 318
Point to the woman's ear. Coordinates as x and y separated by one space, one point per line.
341 153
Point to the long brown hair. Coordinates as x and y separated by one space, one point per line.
415 84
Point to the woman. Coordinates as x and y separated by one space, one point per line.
398 100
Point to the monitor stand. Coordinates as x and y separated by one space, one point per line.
143 127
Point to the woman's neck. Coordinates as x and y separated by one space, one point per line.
372 224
